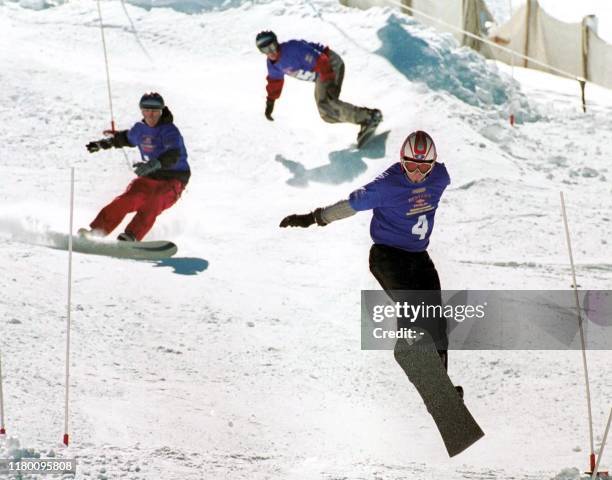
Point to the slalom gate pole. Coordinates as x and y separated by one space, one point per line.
601 449
512 69
108 81
68 308
582 342
2 429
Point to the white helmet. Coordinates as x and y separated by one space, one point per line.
418 155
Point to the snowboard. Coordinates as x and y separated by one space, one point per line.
455 423
148 250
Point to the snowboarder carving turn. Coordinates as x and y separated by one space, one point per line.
404 200
162 174
317 63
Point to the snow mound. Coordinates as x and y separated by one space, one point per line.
35 4
440 63
570 474
184 6
190 6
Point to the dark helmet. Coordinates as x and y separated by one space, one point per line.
152 100
266 40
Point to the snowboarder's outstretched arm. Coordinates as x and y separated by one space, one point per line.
169 157
165 160
320 216
117 140
274 88
364 198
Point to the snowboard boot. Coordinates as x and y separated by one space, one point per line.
459 389
444 359
90 233
126 237
369 126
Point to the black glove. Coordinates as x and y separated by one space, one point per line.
103 144
143 169
303 221
269 109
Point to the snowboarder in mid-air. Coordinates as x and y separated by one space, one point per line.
313 62
404 200
162 174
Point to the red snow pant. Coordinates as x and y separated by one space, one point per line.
145 196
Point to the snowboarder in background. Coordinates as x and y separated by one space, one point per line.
162 174
313 62
404 199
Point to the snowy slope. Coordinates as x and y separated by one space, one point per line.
240 358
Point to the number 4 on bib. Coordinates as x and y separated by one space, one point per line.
421 227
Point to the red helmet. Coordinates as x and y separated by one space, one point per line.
418 155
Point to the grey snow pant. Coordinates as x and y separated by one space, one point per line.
331 109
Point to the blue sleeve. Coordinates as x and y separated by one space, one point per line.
366 198
171 139
273 72
448 180
133 135
442 173
377 193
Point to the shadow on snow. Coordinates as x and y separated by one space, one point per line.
184 265
344 165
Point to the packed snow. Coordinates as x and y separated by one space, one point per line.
240 358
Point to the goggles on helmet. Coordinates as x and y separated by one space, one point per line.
151 101
271 47
411 165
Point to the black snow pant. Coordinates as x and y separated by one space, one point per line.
397 271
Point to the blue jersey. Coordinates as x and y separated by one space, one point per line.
298 59
154 141
403 211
